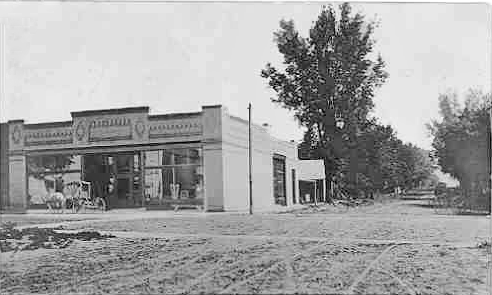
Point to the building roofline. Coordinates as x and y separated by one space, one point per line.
114 111
16 121
215 106
174 115
253 124
48 124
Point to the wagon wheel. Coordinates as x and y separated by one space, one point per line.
78 202
72 192
50 208
86 204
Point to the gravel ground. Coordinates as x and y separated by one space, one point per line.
164 266
277 260
438 269
438 228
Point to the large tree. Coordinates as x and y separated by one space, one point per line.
327 76
462 141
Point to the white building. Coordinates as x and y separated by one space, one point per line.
134 159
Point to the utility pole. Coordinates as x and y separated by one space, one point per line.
315 194
250 161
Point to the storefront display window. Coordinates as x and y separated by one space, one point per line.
179 178
48 174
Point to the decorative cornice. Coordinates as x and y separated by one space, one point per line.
174 125
48 134
169 135
110 122
176 128
111 138
48 142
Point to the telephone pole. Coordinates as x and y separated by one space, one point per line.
250 161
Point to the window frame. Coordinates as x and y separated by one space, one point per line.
279 199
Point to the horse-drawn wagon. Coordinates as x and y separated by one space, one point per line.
75 196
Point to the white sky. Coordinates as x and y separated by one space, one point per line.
176 57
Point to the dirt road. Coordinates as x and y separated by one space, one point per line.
399 247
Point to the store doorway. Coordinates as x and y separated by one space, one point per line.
115 177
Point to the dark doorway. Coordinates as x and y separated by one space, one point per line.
279 191
115 177
294 200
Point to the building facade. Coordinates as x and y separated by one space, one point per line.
134 159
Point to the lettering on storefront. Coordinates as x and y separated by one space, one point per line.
112 128
175 128
48 136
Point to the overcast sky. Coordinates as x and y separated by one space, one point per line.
176 57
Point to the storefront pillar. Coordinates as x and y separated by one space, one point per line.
17 199
213 178
17 183
213 161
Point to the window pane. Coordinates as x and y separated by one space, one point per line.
195 155
153 184
75 163
170 157
124 163
40 186
158 184
136 163
151 158
180 156
53 163
167 157
136 183
189 181
38 189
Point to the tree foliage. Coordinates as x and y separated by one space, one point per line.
462 140
332 75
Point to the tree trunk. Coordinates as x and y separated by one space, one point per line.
353 165
328 178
